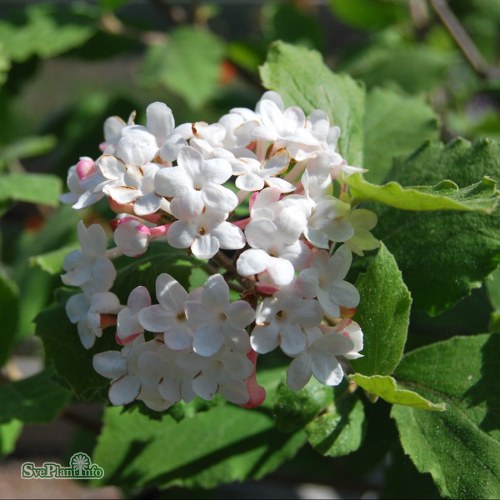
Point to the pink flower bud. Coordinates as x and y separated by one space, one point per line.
257 392
85 167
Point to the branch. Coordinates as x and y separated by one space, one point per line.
462 38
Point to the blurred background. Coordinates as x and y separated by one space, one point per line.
67 65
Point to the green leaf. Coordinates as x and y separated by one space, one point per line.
222 445
401 123
390 59
383 313
367 14
4 64
41 35
341 429
33 188
27 147
9 305
51 262
294 409
111 4
493 286
71 361
443 255
302 79
388 389
188 64
8 436
481 196
32 400
145 269
461 446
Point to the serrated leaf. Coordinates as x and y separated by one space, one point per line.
71 361
294 409
33 188
188 64
443 255
34 399
383 313
222 445
302 79
341 429
401 123
51 262
461 446
388 389
481 196
8 436
9 307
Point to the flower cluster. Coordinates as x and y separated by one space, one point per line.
287 256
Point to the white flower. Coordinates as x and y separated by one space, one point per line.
276 248
128 326
129 183
205 234
253 174
169 316
173 381
89 267
319 359
225 372
284 320
195 184
131 236
85 184
285 127
86 311
238 124
129 381
351 330
136 146
325 280
217 321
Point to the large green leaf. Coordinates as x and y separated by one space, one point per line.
302 78
9 305
188 63
340 429
222 445
481 196
443 255
32 400
395 125
34 188
383 313
461 446
388 389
